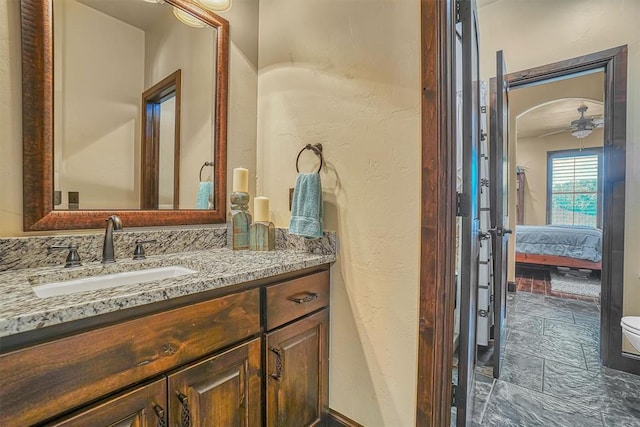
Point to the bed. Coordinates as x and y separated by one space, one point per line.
559 245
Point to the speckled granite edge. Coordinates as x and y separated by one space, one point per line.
21 310
30 252
326 245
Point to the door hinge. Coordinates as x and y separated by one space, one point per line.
454 388
462 205
458 18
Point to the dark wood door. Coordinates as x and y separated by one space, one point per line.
470 202
499 160
224 390
141 407
297 373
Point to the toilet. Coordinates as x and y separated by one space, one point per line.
631 330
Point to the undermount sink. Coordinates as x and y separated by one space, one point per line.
107 281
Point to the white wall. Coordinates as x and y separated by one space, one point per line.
167 140
534 33
347 74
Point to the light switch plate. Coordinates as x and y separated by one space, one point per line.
290 198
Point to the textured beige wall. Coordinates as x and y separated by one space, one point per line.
532 156
10 119
243 81
87 127
346 75
170 45
243 89
534 33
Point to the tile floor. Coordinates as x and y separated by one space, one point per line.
551 372
538 282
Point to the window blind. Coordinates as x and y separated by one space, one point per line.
574 190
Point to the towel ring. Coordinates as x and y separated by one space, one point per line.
202 168
316 148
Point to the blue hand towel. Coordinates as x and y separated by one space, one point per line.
306 208
205 190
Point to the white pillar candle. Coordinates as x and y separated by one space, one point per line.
240 180
261 209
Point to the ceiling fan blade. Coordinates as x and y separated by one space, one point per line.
554 132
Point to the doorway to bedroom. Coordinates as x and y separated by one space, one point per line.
559 143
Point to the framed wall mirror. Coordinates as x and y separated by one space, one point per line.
124 101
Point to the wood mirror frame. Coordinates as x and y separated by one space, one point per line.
37 124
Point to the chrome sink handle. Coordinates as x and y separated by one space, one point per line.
73 258
113 223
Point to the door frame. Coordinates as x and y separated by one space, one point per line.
437 286
438 213
614 64
152 98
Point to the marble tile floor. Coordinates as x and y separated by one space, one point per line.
551 373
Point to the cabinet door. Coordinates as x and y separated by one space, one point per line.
224 390
297 373
141 407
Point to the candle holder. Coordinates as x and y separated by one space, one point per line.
238 221
262 236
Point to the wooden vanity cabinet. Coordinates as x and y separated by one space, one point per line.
297 373
222 391
297 354
55 377
255 357
141 407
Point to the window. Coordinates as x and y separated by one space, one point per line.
573 187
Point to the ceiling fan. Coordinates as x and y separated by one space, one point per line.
582 126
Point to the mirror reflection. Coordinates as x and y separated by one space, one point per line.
134 107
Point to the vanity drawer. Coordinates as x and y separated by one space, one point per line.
60 375
289 300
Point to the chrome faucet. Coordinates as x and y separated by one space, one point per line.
113 223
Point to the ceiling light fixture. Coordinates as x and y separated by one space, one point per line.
581 133
188 19
215 5
582 126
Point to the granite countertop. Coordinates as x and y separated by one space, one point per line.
21 310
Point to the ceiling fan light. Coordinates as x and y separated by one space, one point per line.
215 5
581 133
187 19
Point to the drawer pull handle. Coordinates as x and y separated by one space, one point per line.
160 414
185 414
307 298
277 375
